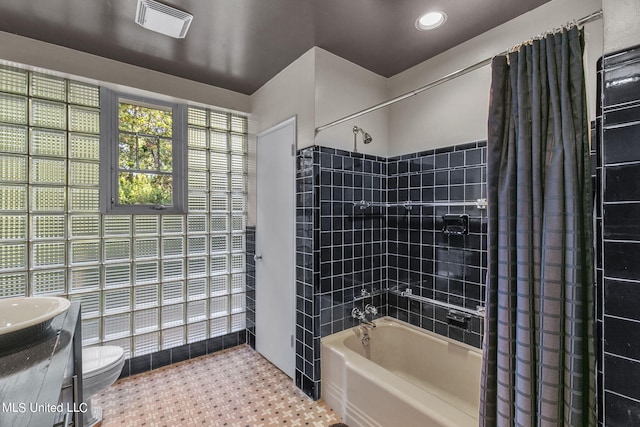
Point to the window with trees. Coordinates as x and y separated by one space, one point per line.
143 147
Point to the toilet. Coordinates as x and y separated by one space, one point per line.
101 366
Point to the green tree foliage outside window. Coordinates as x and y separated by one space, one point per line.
145 167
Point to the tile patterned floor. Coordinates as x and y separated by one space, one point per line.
235 387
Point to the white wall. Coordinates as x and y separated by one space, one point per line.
456 112
317 88
621 24
343 88
290 93
84 66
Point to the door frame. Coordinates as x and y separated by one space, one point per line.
292 189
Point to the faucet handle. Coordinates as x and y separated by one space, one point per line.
356 313
370 309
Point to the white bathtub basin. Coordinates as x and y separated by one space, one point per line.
403 376
25 319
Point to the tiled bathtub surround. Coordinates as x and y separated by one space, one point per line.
449 268
342 249
618 255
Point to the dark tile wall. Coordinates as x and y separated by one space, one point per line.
307 373
618 242
147 362
340 249
353 241
448 268
251 286
348 257
596 163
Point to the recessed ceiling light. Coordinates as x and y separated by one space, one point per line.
431 20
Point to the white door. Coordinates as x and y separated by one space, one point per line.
275 245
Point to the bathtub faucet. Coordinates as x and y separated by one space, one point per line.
370 309
356 313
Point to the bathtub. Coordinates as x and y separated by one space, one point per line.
405 376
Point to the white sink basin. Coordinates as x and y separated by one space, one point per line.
25 319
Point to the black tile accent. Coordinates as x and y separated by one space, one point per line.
140 364
627 116
614 59
251 280
622 299
622 85
617 243
179 354
125 369
306 384
197 349
622 221
619 371
623 142
622 337
160 359
621 411
215 344
622 260
147 362
597 145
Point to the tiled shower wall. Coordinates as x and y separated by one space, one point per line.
618 254
352 245
340 249
343 249
435 265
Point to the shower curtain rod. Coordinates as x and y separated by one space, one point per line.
584 20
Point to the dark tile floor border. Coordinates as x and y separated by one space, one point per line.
147 362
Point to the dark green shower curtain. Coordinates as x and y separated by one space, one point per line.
538 367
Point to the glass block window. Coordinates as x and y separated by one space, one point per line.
146 281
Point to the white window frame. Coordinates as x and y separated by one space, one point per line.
109 125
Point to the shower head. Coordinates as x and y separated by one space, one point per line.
366 138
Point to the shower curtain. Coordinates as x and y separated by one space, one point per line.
538 367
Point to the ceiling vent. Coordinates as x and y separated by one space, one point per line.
163 19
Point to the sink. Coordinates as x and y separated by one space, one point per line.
25 320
